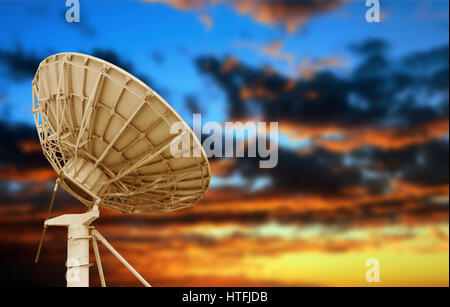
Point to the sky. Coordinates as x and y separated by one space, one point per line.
362 110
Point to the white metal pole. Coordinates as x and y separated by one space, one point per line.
77 255
77 245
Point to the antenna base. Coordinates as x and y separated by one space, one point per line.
77 244
78 236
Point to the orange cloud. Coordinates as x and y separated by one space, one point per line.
351 138
274 49
12 173
228 65
183 4
242 239
291 14
222 167
252 92
29 147
309 67
207 21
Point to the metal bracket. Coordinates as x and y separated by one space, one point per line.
78 265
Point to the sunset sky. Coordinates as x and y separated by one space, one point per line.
363 113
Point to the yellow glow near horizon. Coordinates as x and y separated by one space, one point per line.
348 269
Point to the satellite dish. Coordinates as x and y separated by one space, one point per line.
107 135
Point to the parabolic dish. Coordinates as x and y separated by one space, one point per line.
107 135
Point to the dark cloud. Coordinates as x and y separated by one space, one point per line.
425 164
386 211
13 148
19 64
431 67
323 172
380 91
319 172
192 104
370 46
18 267
431 59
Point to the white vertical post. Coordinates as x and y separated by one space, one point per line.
77 255
77 245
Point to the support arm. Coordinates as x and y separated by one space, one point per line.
44 230
98 261
97 235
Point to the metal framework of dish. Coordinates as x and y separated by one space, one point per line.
108 137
